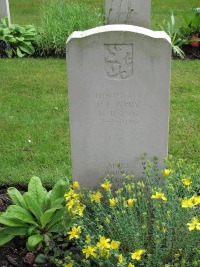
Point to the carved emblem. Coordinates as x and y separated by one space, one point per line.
118 61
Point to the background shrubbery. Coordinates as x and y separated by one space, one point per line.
59 20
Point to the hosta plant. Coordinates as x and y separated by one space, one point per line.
36 214
16 40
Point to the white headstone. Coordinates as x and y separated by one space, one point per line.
4 9
134 12
118 87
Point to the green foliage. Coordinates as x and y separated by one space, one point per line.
177 39
192 29
16 40
193 23
59 20
151 222
183 35
36 214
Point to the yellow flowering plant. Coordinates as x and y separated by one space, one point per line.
151 221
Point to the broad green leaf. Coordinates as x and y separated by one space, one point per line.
37 191
34 240
16 197
57 203
19 53
20 39
5 22
32 230
15 231
33 205
45 218
48 201
27 48
59 189
10 222
5 238
56 220
16 212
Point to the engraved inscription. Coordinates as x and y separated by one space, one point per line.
116 172
118 108
118 61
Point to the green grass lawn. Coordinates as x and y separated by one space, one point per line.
34 136
28 12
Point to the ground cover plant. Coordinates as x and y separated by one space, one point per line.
16 40
149 222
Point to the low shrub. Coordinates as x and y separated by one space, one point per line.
37 215
59 20
188 34
16 40
154 221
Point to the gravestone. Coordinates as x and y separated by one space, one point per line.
118 88
4 9
134 12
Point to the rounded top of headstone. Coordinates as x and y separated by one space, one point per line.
120 28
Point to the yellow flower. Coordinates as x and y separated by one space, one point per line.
76 185
114 244
166 172
130 202
89 251
187 203
187 181
87 238
113 202
194 224
69 194
105 253
70 204
137 254
131 265
103 242
68 265
74 233
196 200
96 197
159 195
120 258
106 185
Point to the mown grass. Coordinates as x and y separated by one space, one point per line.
34 133
34 136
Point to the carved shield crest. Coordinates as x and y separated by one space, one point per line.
118 61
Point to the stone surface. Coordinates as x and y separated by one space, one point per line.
134 12
118 88
4 9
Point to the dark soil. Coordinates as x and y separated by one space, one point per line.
191 52
15 253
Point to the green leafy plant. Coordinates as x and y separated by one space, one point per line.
192 29
36 214
59 20
16 40
154 221
177 37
